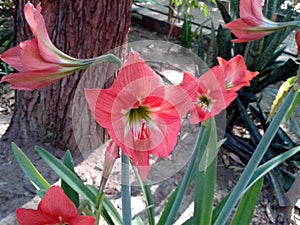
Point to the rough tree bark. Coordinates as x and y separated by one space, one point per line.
82 29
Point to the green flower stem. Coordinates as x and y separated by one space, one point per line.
186 179
255 159
99 201
100 59
126 192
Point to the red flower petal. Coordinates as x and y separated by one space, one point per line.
252 25
236 73
34 217
32 80
56 203
141 114
38 27
82 220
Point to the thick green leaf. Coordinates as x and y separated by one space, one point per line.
186 32
107 207
224 43
206 178
258 154
73 195
202 140
148 197
258 174
283 201
293 106
252 53
271 164
204 194
267 54
270 8
213 50
277 74
247 204
234 5
224 12
66 174
29 169
219 208
164 216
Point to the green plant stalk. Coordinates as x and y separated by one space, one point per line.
186 179
126 192
100 59
147 195
205 178
204 194
99 201
255 159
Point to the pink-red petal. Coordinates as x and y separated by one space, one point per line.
32 80
81 220
34 217
38 27
56 203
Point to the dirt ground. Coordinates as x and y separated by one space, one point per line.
16 190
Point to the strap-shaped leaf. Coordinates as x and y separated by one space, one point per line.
29 169
224 12
254 160
252 53
202 141
148 197
73 195
108 207
66 174
247 205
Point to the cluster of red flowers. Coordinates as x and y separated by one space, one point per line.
141 114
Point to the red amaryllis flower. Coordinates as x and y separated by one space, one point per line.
216 89
235 73
210 97
252 24
38 61
55 208
140 113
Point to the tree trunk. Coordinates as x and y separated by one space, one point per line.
82 29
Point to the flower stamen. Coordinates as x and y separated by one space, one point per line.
205 102
137 122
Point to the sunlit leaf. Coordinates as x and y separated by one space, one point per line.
29 169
